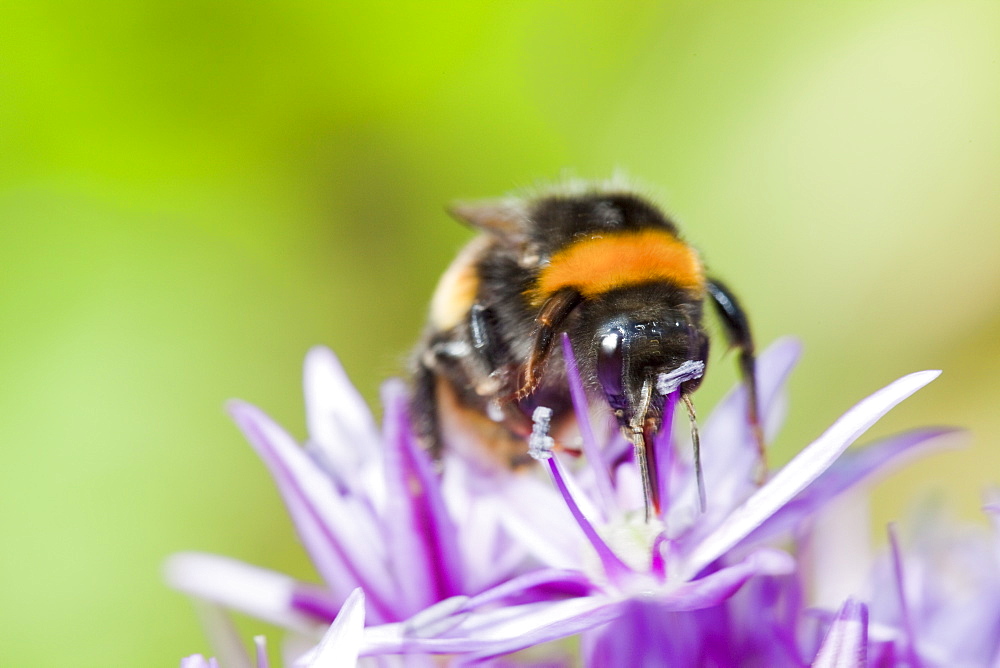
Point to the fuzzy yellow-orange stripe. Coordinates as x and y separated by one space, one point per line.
598 264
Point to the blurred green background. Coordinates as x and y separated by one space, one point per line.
194 193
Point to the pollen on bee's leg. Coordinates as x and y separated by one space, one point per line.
689 370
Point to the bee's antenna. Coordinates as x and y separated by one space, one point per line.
696 444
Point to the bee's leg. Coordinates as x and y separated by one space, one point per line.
438 359
496 359
424 409
550 317
737 331
484 330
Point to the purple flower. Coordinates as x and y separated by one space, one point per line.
373 514
481 564
647 581
934 602
339 646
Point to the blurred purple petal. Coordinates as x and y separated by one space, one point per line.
853 468
260 646
340 424
421 539
499 631
555 582
595 459
222 634
331 527
342 641
846 643
198 661
256 591
716 587
803 469
906 614
613 565
542 534
730 464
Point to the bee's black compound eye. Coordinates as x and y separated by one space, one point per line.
611 367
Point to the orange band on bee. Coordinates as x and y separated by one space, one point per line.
596 265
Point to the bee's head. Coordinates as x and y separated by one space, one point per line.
632 354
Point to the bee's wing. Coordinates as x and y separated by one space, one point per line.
504 217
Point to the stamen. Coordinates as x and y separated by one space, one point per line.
540 444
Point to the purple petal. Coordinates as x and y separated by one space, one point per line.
853 468
557 583
644 635
716 587
342 642
846 643
478 505
905 613
421 540
499 631
260 645
543 535
337 531
663 454
223 635
802 470
316 602
729 456
256 591
340 425
198 661
602 477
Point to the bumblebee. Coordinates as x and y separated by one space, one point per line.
599 263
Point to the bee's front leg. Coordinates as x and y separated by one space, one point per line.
737 329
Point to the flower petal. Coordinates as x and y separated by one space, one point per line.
477 505
613 565
198 661
542 534
421 535
595 461
846 643
337 531
802 470
553 580
234 584
260 645
499 631
222 634
853 468
342 642
906 614
716 587
337 416
729 448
